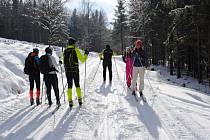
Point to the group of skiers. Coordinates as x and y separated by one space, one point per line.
136 62
47 65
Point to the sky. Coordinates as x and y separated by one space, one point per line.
107 6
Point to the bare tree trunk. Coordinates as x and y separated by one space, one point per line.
121 37
171 61
209 54
178 62
198 55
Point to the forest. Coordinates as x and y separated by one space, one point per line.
175 33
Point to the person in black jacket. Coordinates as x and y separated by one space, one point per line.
139 66
32 69
106 56
50 77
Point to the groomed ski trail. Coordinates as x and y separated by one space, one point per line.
110 112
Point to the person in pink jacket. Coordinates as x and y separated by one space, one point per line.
127 58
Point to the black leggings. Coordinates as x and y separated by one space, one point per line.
51 80
36 78
110 71
72 76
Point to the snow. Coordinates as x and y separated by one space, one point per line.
173 112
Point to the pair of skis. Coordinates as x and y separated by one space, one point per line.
57 108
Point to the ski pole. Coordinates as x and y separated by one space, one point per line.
62 83
84 82
116 69
63 91
124 88
96 71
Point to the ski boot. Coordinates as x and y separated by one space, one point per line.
58 104
50 103
70 104
80 102
142 96
110 82
134 93
37 101
32 101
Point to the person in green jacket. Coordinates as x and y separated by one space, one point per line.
71 55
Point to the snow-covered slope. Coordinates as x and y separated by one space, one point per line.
109 112
12 55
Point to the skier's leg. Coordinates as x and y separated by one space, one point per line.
110 72
37 81
141 75
134 79
104 72
69 76
48 87
129 71
78 89
31 81
56 89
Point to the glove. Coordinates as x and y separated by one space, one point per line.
86 52
60 62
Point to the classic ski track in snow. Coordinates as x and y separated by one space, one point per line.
109 112
145 110
182 124
185 123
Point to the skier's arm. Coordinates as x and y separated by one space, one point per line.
80 56
112 53
101 55
146 60
37 59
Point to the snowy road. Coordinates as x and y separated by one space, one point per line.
111 113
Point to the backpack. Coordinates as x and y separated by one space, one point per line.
31 67
71 60
44 64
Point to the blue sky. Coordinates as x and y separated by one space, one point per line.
107 6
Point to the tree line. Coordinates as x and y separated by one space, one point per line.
51 22
175 33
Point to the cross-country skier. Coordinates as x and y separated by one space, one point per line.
32 69
139 66
106 56
49 67
71 55
127 58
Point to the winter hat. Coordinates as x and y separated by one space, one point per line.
138 43
72 41
35 50
107 46
48 50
